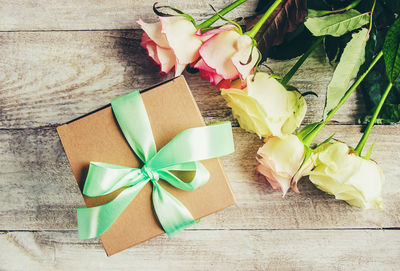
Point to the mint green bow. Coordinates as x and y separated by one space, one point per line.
182 154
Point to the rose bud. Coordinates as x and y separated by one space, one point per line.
340 172
226 55
265 107
280 160
172 42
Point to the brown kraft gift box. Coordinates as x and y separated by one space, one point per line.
96 137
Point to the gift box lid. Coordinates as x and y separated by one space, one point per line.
171 109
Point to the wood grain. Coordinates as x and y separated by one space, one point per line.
50 75
22 15
50 78
38 190
208 250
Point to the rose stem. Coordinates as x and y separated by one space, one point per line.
308 139
299 62
224 11
350 6
252 32
364 138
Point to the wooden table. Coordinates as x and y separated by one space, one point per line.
61 59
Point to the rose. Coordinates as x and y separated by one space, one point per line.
226 55
280 160
348 177
265 107
172 42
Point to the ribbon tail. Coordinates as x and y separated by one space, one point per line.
171 213
94 221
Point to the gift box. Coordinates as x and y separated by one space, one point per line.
97 136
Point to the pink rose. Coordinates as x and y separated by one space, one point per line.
280 159
225 56
171 43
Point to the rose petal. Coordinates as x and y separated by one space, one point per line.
217 53
154 33
277 182
179 68
151 48
208 34
166 58
246 111
180 33
224 84
285 152
297 104
244 45
272 98
347 176
201 65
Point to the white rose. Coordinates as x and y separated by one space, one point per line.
280 159
265 107
347 176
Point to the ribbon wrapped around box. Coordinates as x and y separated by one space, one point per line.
113 191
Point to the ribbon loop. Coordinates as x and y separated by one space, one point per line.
182 153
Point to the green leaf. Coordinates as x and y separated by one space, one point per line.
372 87
391 51
306 130
369 152
347 69
322 144
311 13
337 24
285 18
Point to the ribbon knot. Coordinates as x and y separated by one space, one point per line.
149 173
182 153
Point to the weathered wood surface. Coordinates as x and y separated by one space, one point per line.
38 191
208 250
48 78
28 15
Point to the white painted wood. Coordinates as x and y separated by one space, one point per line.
38 191
28 15
208 250
48 78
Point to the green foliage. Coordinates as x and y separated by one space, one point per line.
372 87
376 81
294 44
347 69
284 19
384 15
394 5
337 24
391 51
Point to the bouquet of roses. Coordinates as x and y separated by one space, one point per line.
361 38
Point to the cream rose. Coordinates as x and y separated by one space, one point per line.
280 159
347 176
265 107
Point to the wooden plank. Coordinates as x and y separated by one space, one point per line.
209 250
52 77
21 15
37 189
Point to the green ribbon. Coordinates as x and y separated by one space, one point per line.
181 154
